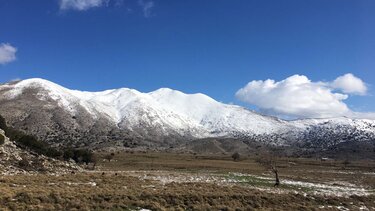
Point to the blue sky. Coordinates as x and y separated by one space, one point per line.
214 47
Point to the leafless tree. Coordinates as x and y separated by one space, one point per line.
268 160
277 180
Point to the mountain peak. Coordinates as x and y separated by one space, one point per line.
35 82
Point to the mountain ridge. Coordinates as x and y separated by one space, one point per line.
164 117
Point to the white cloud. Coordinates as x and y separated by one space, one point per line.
81 4
7 53
147 7
119 3
362 115
350 84
299 97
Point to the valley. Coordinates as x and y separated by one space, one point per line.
166 150
167 181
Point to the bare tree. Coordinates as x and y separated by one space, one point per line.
277 180
268 159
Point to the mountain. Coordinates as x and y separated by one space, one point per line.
162 118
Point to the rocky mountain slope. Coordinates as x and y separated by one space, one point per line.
14 160
162 118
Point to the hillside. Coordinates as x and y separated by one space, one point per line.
15 160
127 118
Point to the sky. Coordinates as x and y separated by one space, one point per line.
290 58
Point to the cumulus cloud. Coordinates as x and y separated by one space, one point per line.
147 7
81 4
7 53
299 97
350 84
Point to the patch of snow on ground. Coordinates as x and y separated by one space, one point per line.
337 188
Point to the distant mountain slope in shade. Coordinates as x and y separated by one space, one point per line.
162 118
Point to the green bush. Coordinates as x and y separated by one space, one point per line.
3 124
33 144
2 139
24 164
79 155
236 156
68 154
12 133
109 157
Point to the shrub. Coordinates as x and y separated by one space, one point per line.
109 157
40 147
68 154
10 132
37 146
83 156
13 134
2 139
23 197
346 163
79 155
32 143
24 164
3 124
236 156
51 152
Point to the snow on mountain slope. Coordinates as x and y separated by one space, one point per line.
365 125
108 102
163 107
167 112
213 115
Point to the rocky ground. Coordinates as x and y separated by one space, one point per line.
14 160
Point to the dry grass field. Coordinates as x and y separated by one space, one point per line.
167 181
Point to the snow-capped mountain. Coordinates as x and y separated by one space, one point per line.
128 117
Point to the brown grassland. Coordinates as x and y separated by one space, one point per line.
167 181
